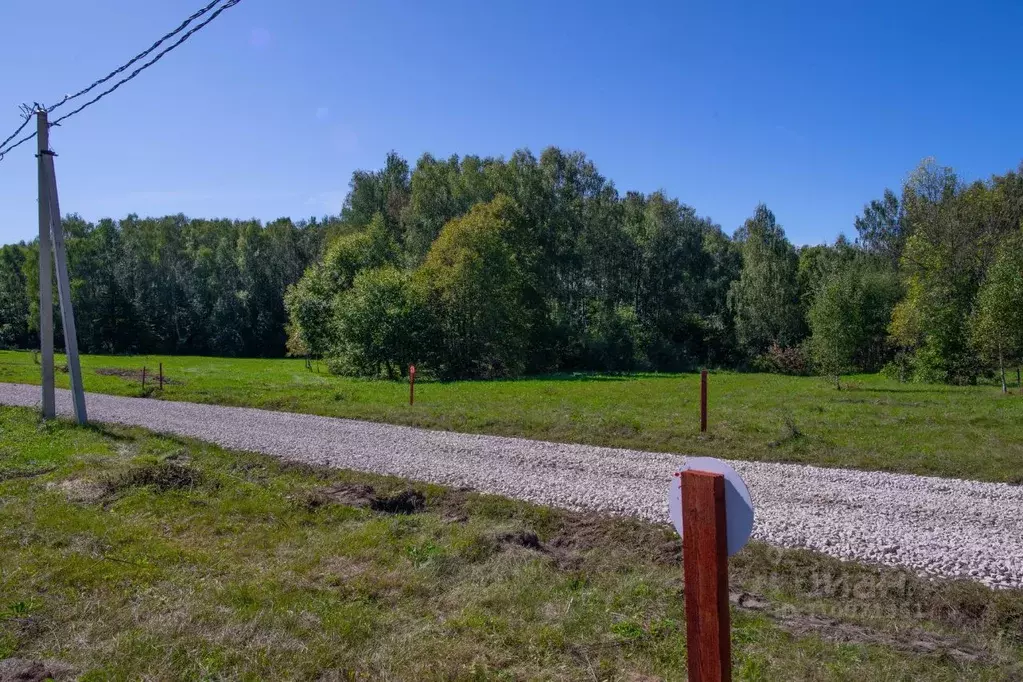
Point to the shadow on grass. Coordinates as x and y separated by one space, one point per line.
566 377
937 391
103 430
889 402
581 377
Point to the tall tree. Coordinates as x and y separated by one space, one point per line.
997 324
849 316
384 192
764 299
439 192
312 300
14 305
882 229
380 322
673 280
943 263
473 284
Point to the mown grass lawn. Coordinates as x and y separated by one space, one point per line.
128 555
970 432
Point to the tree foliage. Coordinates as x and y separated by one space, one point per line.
569 275
849 318
14 305
765 298
474 287
997 325
380 324
488 266
882 229
166 285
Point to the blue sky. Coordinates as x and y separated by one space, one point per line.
813 108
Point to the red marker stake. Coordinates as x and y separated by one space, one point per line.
411 384
703 401
705 562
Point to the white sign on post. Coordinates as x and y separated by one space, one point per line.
738 505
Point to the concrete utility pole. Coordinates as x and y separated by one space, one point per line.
48 177
45 268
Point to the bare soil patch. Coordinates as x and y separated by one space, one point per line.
407 501
26 670
135 375
161 476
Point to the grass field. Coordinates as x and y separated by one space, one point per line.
874 423
129 555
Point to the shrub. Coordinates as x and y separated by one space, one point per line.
779 360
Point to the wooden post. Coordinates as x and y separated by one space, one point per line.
705 562
143 378
161 376
703 401
411 384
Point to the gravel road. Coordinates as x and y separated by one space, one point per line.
938 526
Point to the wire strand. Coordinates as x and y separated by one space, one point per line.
183 38
67 98
141 55
17 144
28 117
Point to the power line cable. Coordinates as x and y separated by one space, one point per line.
17 144
141 55
188 34
28 117
133 74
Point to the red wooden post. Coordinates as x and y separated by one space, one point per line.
705 562
143 377
161 376
703 401
411 384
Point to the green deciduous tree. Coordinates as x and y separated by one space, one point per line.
997 323
14 302
951 244
384 193
570 275
380 323
882 228
849 316
765 298
311 302
475 287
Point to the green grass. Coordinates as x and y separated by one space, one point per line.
962 432
128 555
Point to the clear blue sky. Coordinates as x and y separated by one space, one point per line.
813 108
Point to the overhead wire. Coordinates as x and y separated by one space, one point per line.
195 15
28 117
20 142
188 34
141 55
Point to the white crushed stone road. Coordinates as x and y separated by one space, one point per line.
937 526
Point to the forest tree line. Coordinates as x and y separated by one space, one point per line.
487 267
166 285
